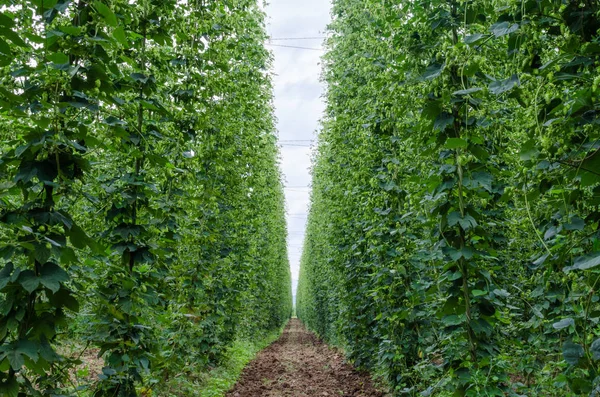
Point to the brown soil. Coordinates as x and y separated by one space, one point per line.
299 365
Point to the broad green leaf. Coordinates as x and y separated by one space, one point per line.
503 28
466 223
456 254
453 320
564 323
16 352
540 261
140 77
5 275
5 48
475 38
29 281
42 253
502 86
58 58
47 352
121 37
433 71
9 387
108 15
64 298
585 262
595 349
113 121
388 186
6 21
62 5
576 223
483 179
443 121
468 91
456 143
572 352
51 276
13 37
529 151
71 30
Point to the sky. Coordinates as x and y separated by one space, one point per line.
298 102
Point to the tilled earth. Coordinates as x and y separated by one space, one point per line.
299 365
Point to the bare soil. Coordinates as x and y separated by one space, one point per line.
299 365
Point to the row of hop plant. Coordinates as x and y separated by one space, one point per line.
141 207
453 243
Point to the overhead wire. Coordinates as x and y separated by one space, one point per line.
296 47
297 38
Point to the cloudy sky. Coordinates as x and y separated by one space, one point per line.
298 102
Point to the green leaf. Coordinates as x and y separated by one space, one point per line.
455 143
108 15
42 253
80 239
468 91
64 298
572 352
564 323
576 223
483 179
5 275
475 38
466 223
503 28
9 386
595 349
113 121
529 151
388 186
58 58
453 320
585 262
502 86
442 121
29 281
71 30
455 254
14 38
5 48
433 71
139 77
120 36
16 352
52 275
478 292
540 261
6 21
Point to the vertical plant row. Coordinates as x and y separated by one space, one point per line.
141 205
452 241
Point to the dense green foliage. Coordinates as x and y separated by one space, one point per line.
453 243
141 207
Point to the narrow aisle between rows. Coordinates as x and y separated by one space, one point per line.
299 365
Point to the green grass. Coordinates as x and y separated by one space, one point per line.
223 378
219 380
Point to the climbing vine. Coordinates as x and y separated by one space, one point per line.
452 243
141 207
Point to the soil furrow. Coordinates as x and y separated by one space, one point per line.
299 365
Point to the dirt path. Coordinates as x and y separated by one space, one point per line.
299 365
